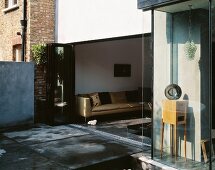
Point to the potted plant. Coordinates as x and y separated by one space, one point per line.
39 53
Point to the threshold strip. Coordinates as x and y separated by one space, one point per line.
112 136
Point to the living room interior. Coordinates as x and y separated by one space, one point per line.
113 86
103 85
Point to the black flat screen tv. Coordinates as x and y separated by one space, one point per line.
122 70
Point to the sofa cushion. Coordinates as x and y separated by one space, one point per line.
104 98
105 107
132 96
95 99
118 97
109 107
134 104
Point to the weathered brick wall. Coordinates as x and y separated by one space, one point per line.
42 21
42 24
9 26
40 81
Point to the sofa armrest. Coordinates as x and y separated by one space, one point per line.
84 107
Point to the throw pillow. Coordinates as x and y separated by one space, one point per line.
118 97
95 99
104 98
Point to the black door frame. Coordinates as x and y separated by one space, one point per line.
69 76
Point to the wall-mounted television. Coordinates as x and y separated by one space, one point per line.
122 70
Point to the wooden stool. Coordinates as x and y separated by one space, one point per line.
174 113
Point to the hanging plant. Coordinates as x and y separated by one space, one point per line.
190 46
190 49
39 53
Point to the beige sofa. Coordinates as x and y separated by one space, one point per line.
119 104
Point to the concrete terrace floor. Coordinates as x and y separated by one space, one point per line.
71 147
63 147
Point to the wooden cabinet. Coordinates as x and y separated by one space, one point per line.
174 113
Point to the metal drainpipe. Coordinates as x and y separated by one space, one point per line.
24 26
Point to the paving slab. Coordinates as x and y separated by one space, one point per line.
44 134
83 151
68 147
62 147
17 156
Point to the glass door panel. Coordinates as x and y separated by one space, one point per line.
114 88
60 83
181 112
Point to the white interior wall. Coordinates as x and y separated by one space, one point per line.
95 65
78 20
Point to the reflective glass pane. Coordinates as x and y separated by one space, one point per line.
114 88
181 112
59 92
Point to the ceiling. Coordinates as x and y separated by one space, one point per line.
184 6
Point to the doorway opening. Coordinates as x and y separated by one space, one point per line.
103 85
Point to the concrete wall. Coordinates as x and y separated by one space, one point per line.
80 20
17 93
191 75
162 49
195 80
95 66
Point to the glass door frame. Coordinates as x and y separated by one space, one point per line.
69 73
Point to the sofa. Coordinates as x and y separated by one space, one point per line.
104 103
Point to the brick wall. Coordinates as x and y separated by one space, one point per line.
42 22
9 26
40 81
